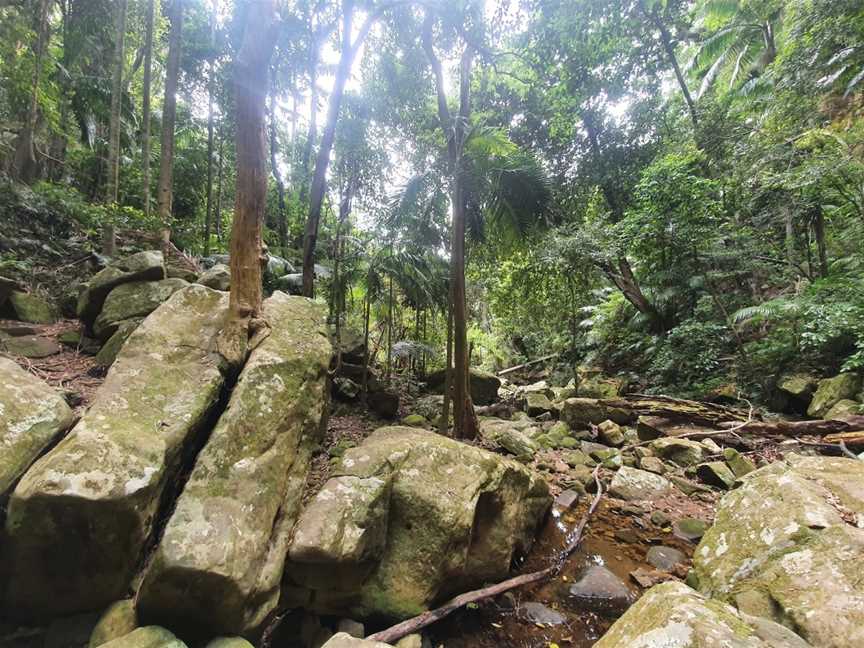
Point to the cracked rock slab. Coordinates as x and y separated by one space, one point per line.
80 517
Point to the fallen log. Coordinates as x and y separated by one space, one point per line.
504 372
798 428
694 413
412 625
854 439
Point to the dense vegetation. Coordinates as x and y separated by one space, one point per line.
670 190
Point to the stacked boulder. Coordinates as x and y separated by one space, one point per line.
828 398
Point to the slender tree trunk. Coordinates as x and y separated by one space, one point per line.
246 252
367 308
444 422
282 223
666 40
217 214
111 184
24 165
319 180
211 87
145 107
819 233
789 223
164 189
390 329
312 133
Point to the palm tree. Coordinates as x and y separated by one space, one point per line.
740 41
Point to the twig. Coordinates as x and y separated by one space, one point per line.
409 626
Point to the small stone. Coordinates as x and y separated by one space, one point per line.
660 519
647 578
610 433
589 447
351 627
578 458
711 446
689 529
627 536
414 420
539 613
688 487
716 473
652 465
632 484
682 452
665 558
599 590
739 463
567 499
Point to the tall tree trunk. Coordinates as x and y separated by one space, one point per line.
282 223
666 40
444 421
112 181
390 329
164 189
145 107
246 252
367 309
217 213
455 133
819 233
24 165
319 180
789 224
211 87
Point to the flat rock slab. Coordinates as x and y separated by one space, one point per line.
143 266
672 615
221 556
79 519
30 346
792 535
32 414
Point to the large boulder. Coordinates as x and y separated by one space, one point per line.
673 615
581 413
221 556
132 300
143 266
218 277
108 353
32 308
31 416
483 385
80 517
455 518
833 390
786 544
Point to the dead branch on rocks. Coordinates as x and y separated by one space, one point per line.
410 626
849 424
504 372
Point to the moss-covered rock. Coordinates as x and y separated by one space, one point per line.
218 277
537 403
581 413
30 346
508 436
843 408
31 416
798 385
682 452
673 615
831 391
133 300
220 559
32 308
108 353
457 516
143 266
415 420
146 637
79 518
791 534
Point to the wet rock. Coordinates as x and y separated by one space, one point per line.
682 452
665 558
634 484
567 499
599 590
344 640
143 266
610 433
218 277
30 346
457 515
32 308
384 403
738 463
538 613
133 300
673 615
831 391
537 403
146 637
716 473
627 536
228 535
32 415
108 353
689 529
117 621
106 479
793 531
483 385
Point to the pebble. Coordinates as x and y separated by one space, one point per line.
665 558
538 613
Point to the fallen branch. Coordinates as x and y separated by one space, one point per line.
504 372
410 626
797 428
